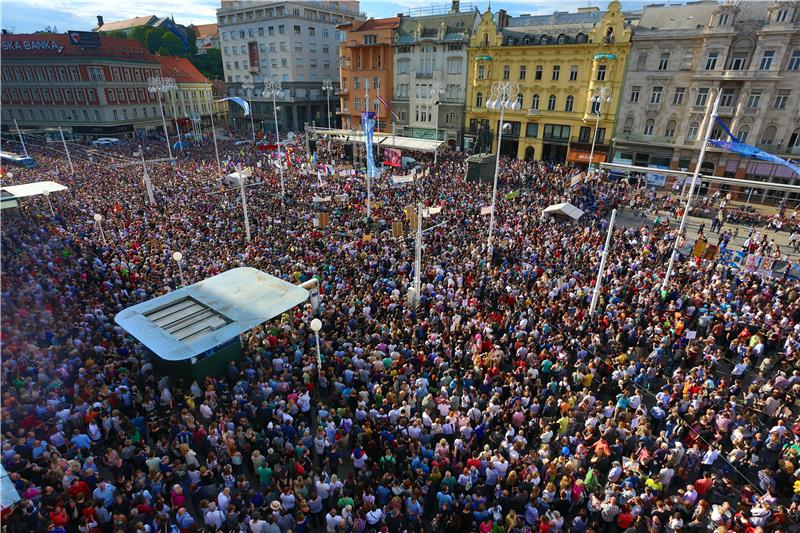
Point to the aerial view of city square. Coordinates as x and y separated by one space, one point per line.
285 266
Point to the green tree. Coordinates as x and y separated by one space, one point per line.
171 43
139 33
209 64
152 39
192 36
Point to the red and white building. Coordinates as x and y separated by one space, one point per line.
93 89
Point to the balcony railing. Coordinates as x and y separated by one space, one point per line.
533 112
649 139
725 111
653 107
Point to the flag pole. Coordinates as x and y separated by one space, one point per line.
688 206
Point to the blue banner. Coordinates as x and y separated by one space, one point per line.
748 150
368 122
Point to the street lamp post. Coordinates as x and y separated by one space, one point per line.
178 257
600 97
157 85
503 96
316 326
327 86
147 183
172 86
47 197
99 219
272 89
436 92
248 86
244 203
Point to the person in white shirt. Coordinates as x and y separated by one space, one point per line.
214 517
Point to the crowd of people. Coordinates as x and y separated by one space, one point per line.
498 404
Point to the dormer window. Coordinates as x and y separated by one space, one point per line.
782 16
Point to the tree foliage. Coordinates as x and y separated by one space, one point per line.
209 64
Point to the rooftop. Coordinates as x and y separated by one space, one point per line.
694 15
193 320
33 45
181 69
126 24
205 30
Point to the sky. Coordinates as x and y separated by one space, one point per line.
27 16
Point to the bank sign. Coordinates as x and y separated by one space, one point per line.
32 45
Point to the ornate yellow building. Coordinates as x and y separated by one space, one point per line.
559 63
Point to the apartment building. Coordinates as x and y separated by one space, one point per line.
682 55
430 66
559 62
294 43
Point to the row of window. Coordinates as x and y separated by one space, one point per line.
738 60
727 98
768 135
278 63
452 91
51 96
274 47
251 33
73 74
555 75
78 114
376 83
552 102
280 11
427 65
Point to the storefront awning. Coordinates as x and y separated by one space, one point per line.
582 156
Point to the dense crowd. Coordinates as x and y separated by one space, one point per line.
498 405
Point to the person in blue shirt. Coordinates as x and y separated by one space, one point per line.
444 498
81 440
104 491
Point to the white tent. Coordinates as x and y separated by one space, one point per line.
8 493
564 209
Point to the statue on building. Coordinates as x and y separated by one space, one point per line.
609 38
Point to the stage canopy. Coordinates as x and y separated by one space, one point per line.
384 139
564 210
196 319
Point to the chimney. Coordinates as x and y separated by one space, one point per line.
455 6
502 19
99 21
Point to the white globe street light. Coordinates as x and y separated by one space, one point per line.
316 326
47 197
601 96
157 85
178 257
503 98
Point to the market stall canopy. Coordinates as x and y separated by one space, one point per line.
9 196
565 210
8 492
194 320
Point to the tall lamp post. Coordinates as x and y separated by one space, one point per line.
272 89
600 97
172 86
436 93
327 86
157 85
178 257
248 86
503 96
99 219
316 326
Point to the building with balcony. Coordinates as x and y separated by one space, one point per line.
206 37
559 62
88 91
682 55
366 70
429 50
295 43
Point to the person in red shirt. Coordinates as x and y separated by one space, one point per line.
78 487
625 518
59 517
703 484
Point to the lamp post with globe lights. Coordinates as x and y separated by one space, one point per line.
436 93
316 326
99 219
248 87
158 85
178 257
600 97
503 97
273 89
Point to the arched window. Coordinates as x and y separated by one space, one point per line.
545 39
510 41
562 39
669 131
794 139
479 99
551 103
581 38
744 131
648 126
485 39
569 104
535 101
628 126
526 40
520 99
768 137
691 133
